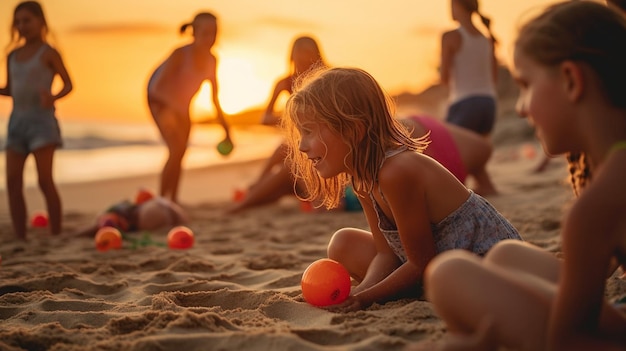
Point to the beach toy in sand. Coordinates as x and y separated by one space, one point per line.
529 151
108 238
225 147
239 195
180 237
351 200
306 206
143 195
39 220
325 282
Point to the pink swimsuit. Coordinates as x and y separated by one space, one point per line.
442 147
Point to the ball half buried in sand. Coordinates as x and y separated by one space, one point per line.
108 238
325 282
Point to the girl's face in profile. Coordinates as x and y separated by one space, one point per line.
28 25
323 147
543 101
205 32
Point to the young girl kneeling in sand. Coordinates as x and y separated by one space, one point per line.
521 296
341 131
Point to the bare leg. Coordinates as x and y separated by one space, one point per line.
268 189
525 257
43 159
484 185
465 290
175 132
475 151
15 190
354 249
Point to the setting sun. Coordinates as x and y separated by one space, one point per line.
240 89
240 86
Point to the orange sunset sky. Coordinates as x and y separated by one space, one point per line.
111 47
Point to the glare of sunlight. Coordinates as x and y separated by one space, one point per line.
241 88
202 104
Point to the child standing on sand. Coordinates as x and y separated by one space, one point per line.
171 88
520 296
469 69
33 127
341 131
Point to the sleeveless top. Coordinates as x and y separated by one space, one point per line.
471 73
475 226
28 78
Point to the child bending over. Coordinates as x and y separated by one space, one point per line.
341 131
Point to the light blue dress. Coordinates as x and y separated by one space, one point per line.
31 126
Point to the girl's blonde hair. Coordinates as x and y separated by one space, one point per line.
585 32
354 106
34 8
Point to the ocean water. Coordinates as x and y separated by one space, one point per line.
109 150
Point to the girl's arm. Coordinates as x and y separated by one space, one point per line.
212 71
406 199
269 118
494 63
58 67
6 91
450 42
580 317
383 263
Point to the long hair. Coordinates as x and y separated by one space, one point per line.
582 31
36 10
353 106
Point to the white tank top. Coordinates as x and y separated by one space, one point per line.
471 73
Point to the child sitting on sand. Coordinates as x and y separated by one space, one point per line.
520 296
149 213
341 131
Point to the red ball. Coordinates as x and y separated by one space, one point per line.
39 220
143 195
325 282
108 238
180 237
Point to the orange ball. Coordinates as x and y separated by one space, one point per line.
39 220
180 237
325 282
143 195
108 238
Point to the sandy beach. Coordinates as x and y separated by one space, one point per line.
238 288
